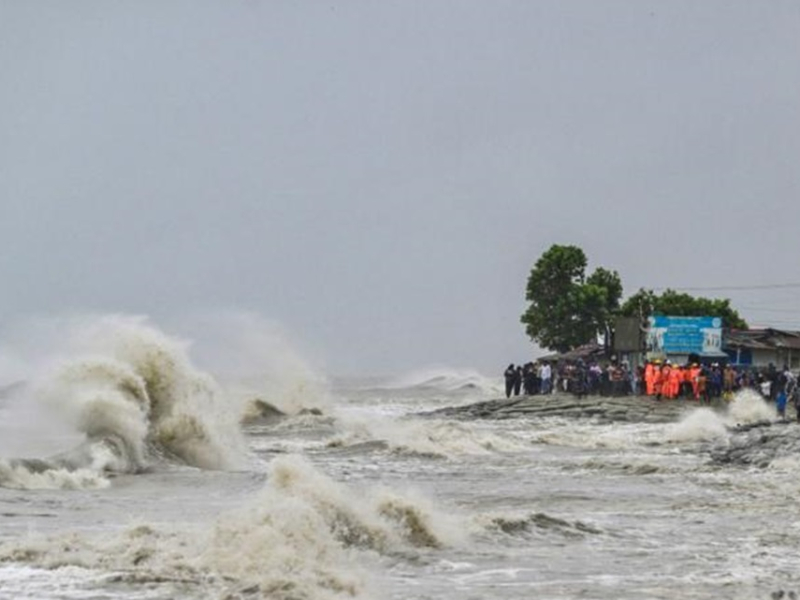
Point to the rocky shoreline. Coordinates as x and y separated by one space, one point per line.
637 409
756 444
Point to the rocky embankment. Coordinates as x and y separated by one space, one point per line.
754 444
759 444
638 409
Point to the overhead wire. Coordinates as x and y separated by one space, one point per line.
765 286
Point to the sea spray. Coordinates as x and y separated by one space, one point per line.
700 425
258 363
136 396
705 424
747 407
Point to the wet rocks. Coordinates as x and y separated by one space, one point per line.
759 444
628 408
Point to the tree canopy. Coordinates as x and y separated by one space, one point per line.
566 308
677 304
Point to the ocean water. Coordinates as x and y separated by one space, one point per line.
129 472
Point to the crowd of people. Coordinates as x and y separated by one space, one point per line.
543 378
703 383
662 380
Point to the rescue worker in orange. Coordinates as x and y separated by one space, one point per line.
694 377
675 378
649 378
662 381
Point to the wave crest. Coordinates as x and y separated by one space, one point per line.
302 537
133 390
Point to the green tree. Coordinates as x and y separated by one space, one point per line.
566 308
677 304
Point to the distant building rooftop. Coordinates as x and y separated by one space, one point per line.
762 339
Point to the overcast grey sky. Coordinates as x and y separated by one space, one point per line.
379 177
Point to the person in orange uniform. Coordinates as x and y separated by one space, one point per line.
662 382
687 389
649 377
675 378
694 376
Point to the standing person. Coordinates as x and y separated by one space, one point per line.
666 374
579 379
649 378
772 378
517 380
528 377
728 382
785 384
675 378
658 379
509 375
546 376
694 375
702 386
794 396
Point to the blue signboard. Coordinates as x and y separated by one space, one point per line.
685 335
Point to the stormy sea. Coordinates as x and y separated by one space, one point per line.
136 465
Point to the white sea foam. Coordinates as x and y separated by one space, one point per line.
302 536
433 437
557 431
699 425
748 407
705 424
22 477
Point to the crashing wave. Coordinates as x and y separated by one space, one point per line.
137 398
302 537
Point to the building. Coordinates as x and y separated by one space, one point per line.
760 347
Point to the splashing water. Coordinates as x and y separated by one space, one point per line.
301 537
702 424
136 396
749 407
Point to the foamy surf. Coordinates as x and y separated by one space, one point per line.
136 397
302 537
424 437
705 424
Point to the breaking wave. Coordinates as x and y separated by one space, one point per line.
302 537
704 424
749 407
537 523
447 380
135 396
699 425
429 438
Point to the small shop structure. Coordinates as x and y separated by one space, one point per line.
691 339
762 347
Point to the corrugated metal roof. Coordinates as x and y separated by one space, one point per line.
763 339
